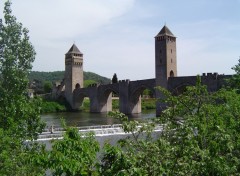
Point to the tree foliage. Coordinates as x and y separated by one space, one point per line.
38 79
59 75
17 158
47 86
200 136
204 132
234 81
87 83
19 116
114 78
74 155
16 57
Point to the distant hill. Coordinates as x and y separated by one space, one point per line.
59 75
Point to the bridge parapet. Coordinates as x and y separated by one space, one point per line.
94 85
213 81
124 81
210 75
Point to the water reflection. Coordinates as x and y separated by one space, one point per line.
89 119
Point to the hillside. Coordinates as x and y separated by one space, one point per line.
58 76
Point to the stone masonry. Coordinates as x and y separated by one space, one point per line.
73 77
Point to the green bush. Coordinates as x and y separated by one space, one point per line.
149 103
51 106
87 83
115 104
85 105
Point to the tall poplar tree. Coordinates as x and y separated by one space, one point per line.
115 79
16 56
19 116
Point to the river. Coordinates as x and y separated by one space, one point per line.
89 119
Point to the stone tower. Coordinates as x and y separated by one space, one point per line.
73 72
165 62
165 56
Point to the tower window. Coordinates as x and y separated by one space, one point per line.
160 51
160 61
171 61
171 50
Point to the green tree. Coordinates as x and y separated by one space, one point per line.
234 81
115 79
148 92
73 155
200 136
18 157
203 131
19 116
16 57
89 82
139 154
47 86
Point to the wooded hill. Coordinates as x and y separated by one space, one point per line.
59 75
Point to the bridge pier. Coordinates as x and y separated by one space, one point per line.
105 103
126 104
160 106
99 102
135 105
124 96
93 95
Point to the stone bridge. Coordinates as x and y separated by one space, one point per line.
129 92
100 96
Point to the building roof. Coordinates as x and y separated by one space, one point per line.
165 31
74 49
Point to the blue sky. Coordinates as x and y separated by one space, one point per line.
117 36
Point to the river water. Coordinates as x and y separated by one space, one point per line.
90 119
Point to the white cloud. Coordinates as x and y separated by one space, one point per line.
54 25
57 19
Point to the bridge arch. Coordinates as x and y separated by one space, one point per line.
179 89
136 99
105 97
137 92
78 97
